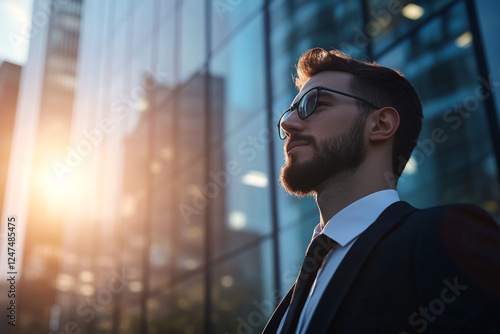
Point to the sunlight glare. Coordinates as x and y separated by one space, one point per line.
59 193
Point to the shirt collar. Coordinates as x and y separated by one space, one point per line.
352 220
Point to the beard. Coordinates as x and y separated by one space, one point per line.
333 158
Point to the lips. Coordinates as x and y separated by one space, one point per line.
293 144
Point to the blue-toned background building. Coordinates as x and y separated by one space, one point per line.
145 154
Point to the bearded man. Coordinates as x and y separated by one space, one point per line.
377 264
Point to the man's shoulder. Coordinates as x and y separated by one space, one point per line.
461 238
451 225
451 208
465 215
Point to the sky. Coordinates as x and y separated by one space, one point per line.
15 25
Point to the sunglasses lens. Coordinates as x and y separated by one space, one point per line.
307 104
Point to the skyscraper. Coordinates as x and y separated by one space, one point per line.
42 133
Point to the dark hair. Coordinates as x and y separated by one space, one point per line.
380 85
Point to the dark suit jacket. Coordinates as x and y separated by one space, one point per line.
414 271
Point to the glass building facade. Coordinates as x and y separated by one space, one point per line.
172 219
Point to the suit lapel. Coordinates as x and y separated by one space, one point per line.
349 267
275 320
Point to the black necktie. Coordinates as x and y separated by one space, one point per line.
319 247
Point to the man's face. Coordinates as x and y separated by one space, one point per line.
329 143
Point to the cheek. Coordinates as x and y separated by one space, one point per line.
337 120
327 127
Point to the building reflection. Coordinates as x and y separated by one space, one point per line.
50 97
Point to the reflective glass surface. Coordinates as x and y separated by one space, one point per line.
247 205
240 66
228 17
192 43
240 141
451 159
243 297
179 308
190 119
390 20
129 323
489 26
165 69
193 200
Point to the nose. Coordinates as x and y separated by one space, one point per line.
293 123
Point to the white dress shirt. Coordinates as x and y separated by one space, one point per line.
344 228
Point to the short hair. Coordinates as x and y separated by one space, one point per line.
381 86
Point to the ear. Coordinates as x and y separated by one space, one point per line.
383 124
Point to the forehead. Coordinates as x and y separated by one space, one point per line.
331 79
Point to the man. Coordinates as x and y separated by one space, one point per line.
384 266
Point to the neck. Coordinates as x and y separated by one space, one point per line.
339 191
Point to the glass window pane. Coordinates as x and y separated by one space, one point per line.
229 16
390 20
179 309
242 291
143 27
131 238
247 205
450 162
240 65
193 201
193 37
130 319
490 26
165 226
240 142
166 45
191 119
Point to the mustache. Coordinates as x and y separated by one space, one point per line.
300 137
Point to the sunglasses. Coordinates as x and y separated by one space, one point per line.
307 105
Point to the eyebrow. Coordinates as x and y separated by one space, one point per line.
331 94
334 96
